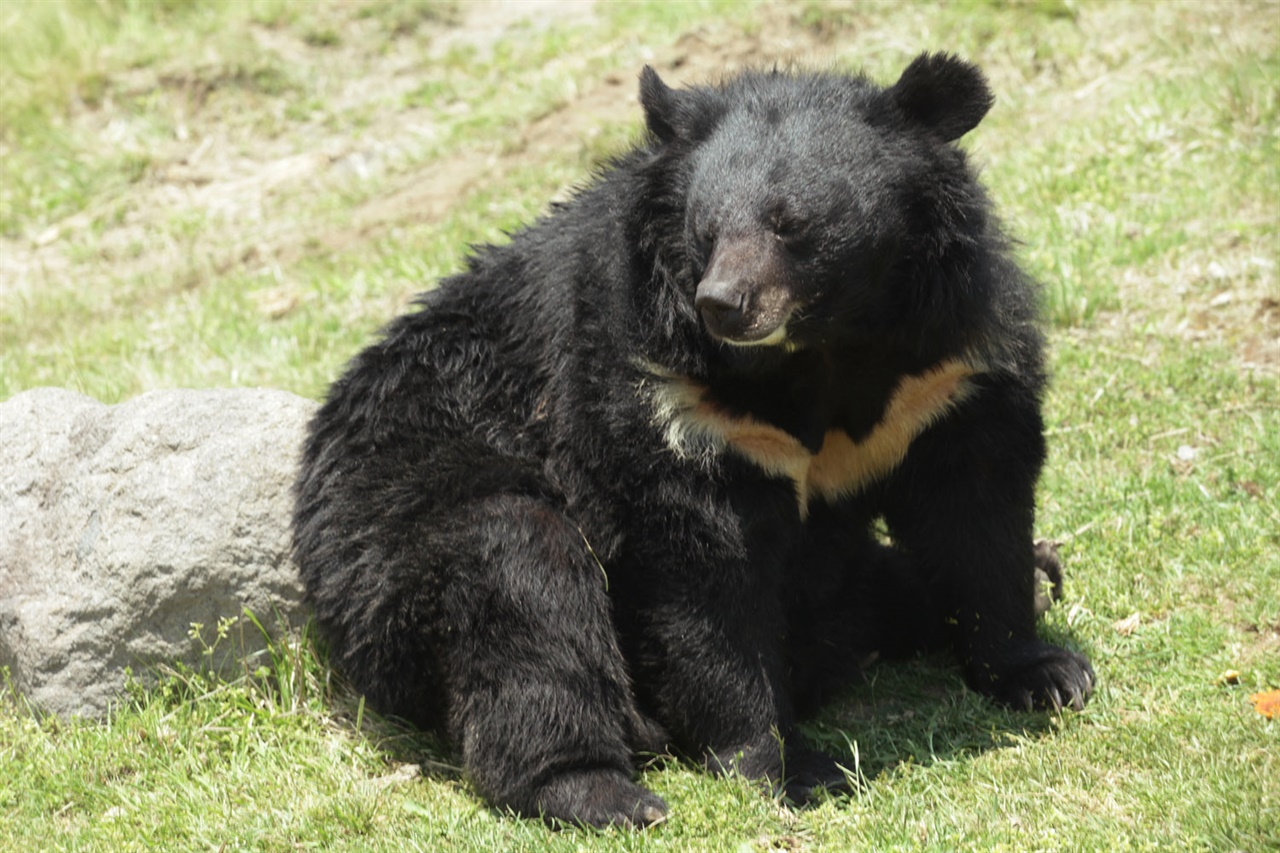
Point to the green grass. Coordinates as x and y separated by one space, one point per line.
161 225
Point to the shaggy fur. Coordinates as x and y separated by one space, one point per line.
612 489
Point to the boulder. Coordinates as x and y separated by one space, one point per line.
121 526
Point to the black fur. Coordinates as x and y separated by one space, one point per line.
547 512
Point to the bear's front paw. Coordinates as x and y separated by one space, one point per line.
1036 675
600 798
807 772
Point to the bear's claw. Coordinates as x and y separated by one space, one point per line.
1041 676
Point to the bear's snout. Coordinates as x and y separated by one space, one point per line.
720 303
743 298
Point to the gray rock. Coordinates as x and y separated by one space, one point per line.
120 526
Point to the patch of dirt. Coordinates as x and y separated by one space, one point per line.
1229 296
223 187
425 194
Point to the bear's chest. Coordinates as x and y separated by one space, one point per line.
696 427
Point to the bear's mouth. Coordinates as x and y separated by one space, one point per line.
739 320
758 337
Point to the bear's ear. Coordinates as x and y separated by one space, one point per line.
660 104
944 93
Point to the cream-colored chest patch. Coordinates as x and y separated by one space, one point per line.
696 427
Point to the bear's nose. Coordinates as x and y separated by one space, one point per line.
721 309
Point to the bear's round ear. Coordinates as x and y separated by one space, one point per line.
944 93
660 107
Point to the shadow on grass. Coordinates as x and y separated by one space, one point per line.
919 711
916 711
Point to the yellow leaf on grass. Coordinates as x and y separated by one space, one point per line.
1267 704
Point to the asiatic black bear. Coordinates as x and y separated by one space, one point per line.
613 488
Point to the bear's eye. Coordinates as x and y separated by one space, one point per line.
785 225
794 233
706 237
785 228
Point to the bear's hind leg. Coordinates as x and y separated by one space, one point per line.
540 704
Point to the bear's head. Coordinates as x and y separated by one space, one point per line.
822 209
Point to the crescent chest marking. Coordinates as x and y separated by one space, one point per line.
696 427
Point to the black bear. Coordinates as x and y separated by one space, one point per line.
617 486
